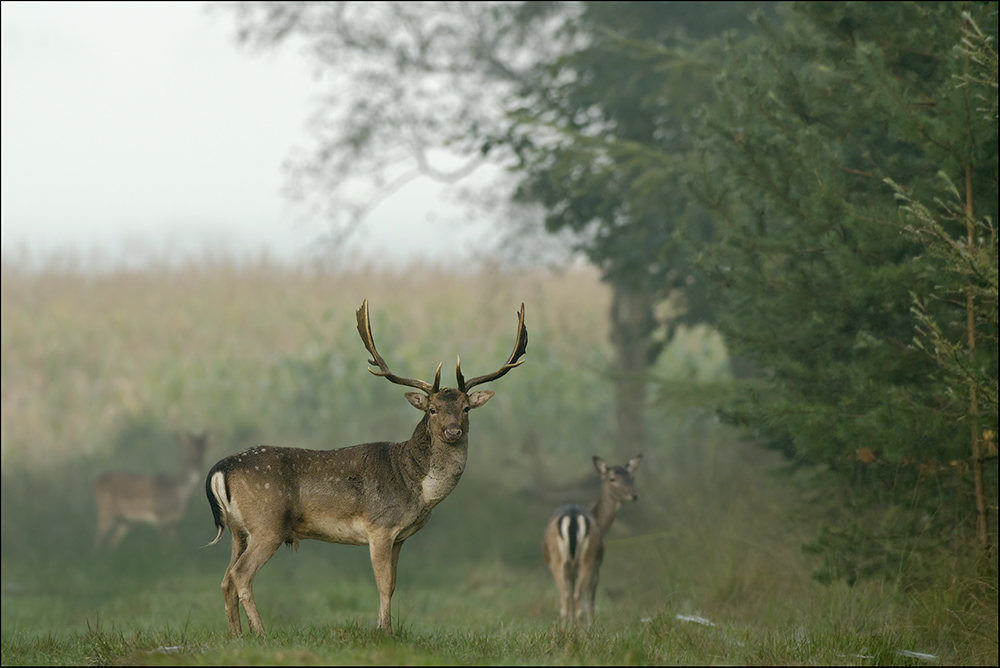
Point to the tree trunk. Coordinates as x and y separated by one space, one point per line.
977 450
632 325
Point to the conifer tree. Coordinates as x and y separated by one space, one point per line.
956 346
817 274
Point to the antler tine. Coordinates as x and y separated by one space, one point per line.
437 379
520 347
365 330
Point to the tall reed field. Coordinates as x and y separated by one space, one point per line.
102 369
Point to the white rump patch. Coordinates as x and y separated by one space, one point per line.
582 535
564 538
229 509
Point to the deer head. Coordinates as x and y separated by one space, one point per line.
446 409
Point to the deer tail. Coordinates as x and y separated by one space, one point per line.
574 534
216 488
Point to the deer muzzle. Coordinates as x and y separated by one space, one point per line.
452 434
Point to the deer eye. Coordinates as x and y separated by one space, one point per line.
466 409
432 411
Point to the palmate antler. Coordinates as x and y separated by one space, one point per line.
365 330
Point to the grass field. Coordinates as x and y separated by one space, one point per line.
99 370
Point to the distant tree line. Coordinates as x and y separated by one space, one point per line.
816 180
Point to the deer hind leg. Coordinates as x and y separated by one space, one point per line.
256 550
385 556
578 594
104 525
229 585
568 600
553 552
588 595
105 517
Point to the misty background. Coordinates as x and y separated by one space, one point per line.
136 130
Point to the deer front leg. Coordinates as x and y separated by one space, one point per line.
119 534
102 531
385 556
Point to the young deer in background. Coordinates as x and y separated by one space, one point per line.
573 545
375 494
125 498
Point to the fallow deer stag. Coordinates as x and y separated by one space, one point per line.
375 494
124 499
573 545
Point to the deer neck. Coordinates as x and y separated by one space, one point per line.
435 464
606 509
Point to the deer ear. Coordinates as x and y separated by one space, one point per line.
633 464
418 400
600 465
477 399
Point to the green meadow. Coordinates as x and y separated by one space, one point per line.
101 370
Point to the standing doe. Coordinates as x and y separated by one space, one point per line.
125 498
375 494
573 545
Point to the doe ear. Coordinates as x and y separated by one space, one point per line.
633 464
418 400
599 464
477 399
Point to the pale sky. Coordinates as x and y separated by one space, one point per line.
141 128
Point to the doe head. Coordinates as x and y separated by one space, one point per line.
618 479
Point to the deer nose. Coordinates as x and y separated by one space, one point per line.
452 434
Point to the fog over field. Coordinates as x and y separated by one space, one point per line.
139 131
